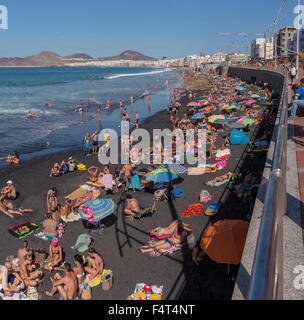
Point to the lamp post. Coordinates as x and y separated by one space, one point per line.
298 41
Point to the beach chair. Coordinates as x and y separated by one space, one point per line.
144 212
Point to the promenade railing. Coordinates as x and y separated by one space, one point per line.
266 281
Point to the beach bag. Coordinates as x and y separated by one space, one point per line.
160 194
107 281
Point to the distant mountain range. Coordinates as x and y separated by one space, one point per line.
48 59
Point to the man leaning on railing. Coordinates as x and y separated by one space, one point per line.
298 101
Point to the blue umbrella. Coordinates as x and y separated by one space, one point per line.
175 167
199 116
241 88
101 208
161 175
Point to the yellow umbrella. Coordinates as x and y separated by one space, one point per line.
213 118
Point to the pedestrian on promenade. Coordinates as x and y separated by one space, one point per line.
298 100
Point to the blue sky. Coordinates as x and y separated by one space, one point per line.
158 28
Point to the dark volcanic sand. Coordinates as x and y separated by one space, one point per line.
119 243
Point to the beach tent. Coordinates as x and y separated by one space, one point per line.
238 137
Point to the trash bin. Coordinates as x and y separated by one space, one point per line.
107 281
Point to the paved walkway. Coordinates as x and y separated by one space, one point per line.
293 249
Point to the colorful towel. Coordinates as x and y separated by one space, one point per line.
20 231
76 194
212 210
136 182
83 242
192 210
71 217
96 184
97 281
145 292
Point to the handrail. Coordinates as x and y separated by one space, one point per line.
267 272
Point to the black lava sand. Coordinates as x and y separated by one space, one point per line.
119 243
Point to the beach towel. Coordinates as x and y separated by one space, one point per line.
178 192
136 182
221 164
71 217
41 236
16 296
212 210
107 181
76 194
192 210
96 184
205 196
97 281
164 236
20 231
145 292
83 242
218 184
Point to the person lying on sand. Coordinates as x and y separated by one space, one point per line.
95 264
8 192
66 286
83 199
15 209
222 178
13 158
179 236
171 229
8 212
55 256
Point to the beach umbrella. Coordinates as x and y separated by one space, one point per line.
249 102
100 207
255 96
161 175
224 241
193 104
246 121
212 119
175 167
240 88
203 102
225 121
236 125
209 109
199 116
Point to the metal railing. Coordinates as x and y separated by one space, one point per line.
267 271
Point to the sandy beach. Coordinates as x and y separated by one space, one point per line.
119 242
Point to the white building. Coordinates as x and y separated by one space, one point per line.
262 48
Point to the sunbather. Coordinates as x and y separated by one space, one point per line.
55 256
50 227
55 171
181 232
79 270
66 286
133 208
51 199
11 280
8 192
13 158
95 264
29 273
222 178
83 199
157 232
93 171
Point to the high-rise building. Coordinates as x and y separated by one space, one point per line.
285 42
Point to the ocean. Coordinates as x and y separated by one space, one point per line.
60 127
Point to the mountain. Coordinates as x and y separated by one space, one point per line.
130 55
43 59
50 59
78 56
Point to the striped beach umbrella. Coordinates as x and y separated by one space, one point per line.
161 175
175 167
198 116
225 121
236 125
249 102
193 104
212 119
100 207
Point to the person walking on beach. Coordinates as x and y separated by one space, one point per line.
131 99
108 105
51 199
136 120
95 142
87 144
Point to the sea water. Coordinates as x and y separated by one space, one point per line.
60 127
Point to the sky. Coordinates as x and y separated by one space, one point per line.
171 28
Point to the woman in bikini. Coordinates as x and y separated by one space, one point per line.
180 234
55 257
95 264
79 269
50 227
51 199
93 171
83 199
